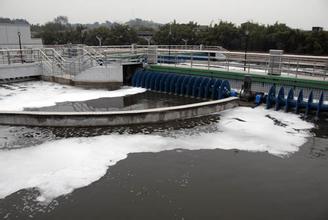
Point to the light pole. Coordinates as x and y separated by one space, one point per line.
246 48
83 35
99 40
170 34
148 39
20 45
185 42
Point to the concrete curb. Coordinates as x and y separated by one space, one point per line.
95 119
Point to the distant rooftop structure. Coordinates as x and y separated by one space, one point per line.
147 35
13 21
9 35
317 29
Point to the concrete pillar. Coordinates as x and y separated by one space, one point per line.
133 48
275 62
152 55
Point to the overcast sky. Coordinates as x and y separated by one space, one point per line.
296 13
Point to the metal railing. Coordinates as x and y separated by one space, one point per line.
70 60
12 56
313 67
53 63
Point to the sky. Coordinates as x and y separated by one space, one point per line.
301 14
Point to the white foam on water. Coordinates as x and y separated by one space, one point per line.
36 94
58 167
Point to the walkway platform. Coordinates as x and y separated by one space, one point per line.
284 80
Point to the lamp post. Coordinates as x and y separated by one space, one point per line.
246 48
170 35
148 39
185 42
99 40
20 45
83 35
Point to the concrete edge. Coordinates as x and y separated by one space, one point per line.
117 118
179 107
18 65
83 84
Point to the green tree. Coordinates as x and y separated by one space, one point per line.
232 37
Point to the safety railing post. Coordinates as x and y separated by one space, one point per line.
228 59
8 56
79 64
39 57
313 71
297 67
325 71
175 60
208 60
52 68
289 69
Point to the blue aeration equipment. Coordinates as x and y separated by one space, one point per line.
288 102
193 86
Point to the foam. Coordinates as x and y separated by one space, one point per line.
16 97
58 167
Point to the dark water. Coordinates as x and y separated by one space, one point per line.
205 184
146 100
182 184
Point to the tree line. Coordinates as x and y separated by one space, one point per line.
259 37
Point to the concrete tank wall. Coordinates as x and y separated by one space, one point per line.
13 71
106 73
108 77
87 119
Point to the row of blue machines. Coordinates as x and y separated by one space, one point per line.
212 88
279 101
198 87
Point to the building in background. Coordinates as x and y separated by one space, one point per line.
9 36
317 29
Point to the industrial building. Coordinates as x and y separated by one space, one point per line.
9 36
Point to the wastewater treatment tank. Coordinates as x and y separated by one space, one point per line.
202 148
